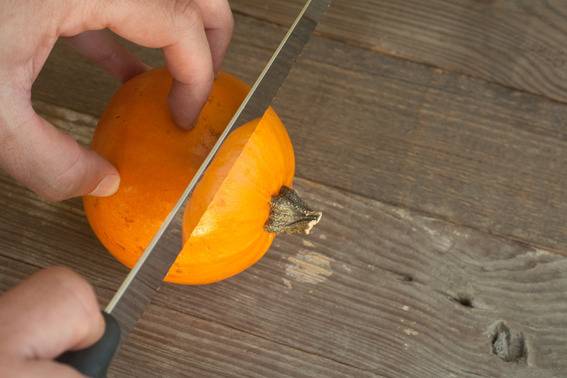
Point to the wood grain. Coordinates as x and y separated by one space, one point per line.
171 343
395 294
456 147
168 343
377 291
516 43
452 146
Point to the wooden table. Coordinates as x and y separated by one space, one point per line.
433 135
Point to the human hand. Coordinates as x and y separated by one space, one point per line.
53 311
193 34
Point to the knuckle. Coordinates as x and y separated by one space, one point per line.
218 13
58 190
187 8
68 278
229 21
53 192
72 283
49 195
67 182
223 10
81 296
108 56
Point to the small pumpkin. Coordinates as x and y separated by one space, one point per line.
242 202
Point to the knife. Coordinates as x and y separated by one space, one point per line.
146 277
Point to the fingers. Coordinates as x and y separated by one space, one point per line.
48 161
100 47
219 24
178 27
192 76
53 311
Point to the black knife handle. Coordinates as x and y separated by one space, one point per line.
95 360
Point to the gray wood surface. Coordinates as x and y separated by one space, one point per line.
518 43
377 291
440 250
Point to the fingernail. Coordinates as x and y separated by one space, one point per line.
191 125
107 186
194 124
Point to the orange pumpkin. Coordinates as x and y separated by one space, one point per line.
240 204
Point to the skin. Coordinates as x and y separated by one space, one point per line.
193 35
56 310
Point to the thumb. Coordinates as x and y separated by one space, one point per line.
49 162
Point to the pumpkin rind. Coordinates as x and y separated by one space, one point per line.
224 220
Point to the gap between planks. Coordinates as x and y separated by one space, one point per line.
209 320
453 34
387 312
107 292
63 118
400 57
502 140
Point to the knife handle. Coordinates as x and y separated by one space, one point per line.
95 360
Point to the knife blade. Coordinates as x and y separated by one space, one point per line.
146 277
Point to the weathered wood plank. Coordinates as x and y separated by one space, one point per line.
35 234
453 146
456 147
517 43
396 293
169 343
376 290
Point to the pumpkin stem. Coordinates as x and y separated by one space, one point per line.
290 214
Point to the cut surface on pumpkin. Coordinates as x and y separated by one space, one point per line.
235 196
